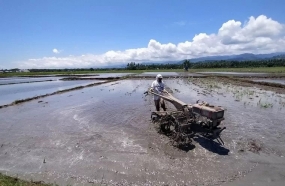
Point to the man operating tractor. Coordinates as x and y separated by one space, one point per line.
157 87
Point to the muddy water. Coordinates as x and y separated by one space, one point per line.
10 93
103 134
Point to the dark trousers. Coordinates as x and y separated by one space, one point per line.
158 103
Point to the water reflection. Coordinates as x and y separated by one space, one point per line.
10 93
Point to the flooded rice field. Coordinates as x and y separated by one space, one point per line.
18 80
153 74
10 93
107 75
103 135
169 74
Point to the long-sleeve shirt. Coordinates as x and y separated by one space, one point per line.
157 88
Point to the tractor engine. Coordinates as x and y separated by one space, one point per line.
209 114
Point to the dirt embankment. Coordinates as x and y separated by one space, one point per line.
278 88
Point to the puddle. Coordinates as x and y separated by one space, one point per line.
10 93
102 134
278 81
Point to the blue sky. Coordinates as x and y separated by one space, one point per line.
47 34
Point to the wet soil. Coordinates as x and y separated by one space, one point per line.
276 81
103 135
249 82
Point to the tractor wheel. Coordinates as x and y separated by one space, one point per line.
154 118
165 128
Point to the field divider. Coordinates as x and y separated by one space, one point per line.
57 92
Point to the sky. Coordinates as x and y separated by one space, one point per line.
96 33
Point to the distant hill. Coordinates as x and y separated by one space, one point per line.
240 57
279 57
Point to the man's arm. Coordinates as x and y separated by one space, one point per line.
152 86
163 89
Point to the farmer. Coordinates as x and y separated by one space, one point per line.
158 87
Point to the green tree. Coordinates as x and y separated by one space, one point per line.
186 64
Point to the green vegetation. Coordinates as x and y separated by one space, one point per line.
269 66
241 64
185 64
266 105
261 69
11 181
255 69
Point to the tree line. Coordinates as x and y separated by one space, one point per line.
240 64
209 64
185 64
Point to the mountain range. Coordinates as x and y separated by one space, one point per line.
239 57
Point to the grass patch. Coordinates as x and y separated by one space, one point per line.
12 181
266 105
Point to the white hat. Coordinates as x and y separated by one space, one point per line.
158 76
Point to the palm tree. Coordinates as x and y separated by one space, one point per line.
186 64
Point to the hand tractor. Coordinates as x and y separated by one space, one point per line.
188 120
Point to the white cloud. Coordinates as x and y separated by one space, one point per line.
55 51
257 35
232 32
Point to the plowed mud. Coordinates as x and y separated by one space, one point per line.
103 135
